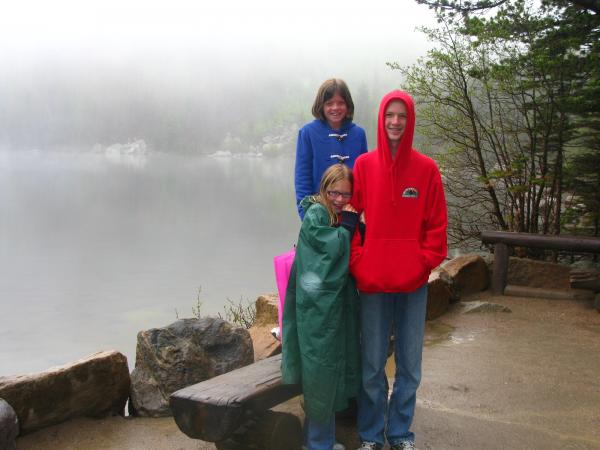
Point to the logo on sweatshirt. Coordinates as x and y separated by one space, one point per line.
410 192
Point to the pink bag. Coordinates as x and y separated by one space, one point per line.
283 267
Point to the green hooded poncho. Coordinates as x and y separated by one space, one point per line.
320 318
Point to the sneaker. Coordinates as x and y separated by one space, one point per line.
369 446
405 445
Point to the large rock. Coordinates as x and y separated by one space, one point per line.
186 352
9 426
585 279
264 343
469 273
538 274
439 293
266 309
95 386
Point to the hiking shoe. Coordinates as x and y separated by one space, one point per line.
404 445
369 446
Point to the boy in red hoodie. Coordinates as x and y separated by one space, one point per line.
401 194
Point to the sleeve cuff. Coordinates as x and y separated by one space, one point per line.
349 221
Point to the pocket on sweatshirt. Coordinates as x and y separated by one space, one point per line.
391 265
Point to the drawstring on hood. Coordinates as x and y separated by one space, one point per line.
395 166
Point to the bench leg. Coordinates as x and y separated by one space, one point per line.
272 430
500 268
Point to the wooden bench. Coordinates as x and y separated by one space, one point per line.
502 240
234 405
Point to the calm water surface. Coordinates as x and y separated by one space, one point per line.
93 250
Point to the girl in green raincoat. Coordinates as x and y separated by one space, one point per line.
320 318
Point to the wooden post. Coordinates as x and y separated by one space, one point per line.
500 268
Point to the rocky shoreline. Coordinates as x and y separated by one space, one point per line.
192 350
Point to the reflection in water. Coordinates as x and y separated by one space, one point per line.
91 251
436 333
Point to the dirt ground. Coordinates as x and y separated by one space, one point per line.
528 379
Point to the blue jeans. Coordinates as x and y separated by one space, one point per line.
378 313
319 436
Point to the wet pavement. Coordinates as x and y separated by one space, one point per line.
526 379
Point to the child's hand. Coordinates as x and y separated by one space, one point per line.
348 207
362 217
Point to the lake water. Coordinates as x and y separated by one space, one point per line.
95 249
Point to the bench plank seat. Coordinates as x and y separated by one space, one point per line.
213 409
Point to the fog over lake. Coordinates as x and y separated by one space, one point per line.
94 250
97 242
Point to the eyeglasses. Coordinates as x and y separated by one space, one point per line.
336 194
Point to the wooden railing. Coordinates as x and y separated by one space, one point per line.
502 240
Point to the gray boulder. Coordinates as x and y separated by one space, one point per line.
9 426
95 386
186 352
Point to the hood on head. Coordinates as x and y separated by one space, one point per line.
307 202
405 146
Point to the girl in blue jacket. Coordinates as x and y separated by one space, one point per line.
330 138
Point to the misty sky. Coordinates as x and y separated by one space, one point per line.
102 71
250 31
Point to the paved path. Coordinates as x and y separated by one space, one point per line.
528 379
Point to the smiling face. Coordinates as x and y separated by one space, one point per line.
339 194
335 111
395 122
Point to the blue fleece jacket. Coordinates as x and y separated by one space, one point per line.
319 147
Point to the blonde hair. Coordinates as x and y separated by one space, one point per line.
332 175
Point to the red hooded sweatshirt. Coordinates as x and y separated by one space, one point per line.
405 212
